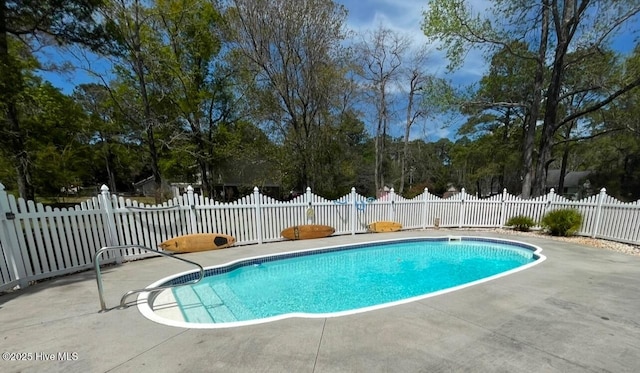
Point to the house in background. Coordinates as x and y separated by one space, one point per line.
451 191
240 179
147 188
231 182
576 184
178 189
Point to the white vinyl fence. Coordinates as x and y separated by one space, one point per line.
38 242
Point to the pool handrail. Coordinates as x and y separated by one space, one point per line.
96 261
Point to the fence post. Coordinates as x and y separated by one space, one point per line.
107 208
258 222
503 208
461 219
424 208
9 240
191 200
354 211
550 199
601 195
392 199
309 214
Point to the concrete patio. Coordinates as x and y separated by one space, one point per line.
577 311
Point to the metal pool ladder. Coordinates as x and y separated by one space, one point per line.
96 261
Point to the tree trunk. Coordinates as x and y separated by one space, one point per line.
563 169
380 134
564 32
17 147
532 119
376 169
407 130
204 177
565 157
108 162
23 170
383 146
155 170
147 119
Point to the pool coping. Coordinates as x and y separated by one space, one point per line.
168 313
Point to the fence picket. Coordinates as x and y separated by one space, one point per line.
22 229
635 226
50 227
34 237
627 227
82 232
70 227
95 223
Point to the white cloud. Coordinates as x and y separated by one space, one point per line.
405 17
437 127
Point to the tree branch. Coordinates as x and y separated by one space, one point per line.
582 90
593 136
602 103
500 104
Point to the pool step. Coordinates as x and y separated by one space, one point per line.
191 305
216 307
200 304
204 303
232 302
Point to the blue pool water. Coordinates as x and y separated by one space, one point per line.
344 279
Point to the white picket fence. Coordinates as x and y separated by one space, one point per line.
37 242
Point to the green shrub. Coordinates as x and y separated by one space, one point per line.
521 223
563 222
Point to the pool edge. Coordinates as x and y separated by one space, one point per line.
146 299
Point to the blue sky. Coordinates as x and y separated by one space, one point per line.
402 16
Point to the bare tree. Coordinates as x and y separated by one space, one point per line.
289 47
416 76
382 53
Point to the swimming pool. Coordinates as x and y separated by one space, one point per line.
335 281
